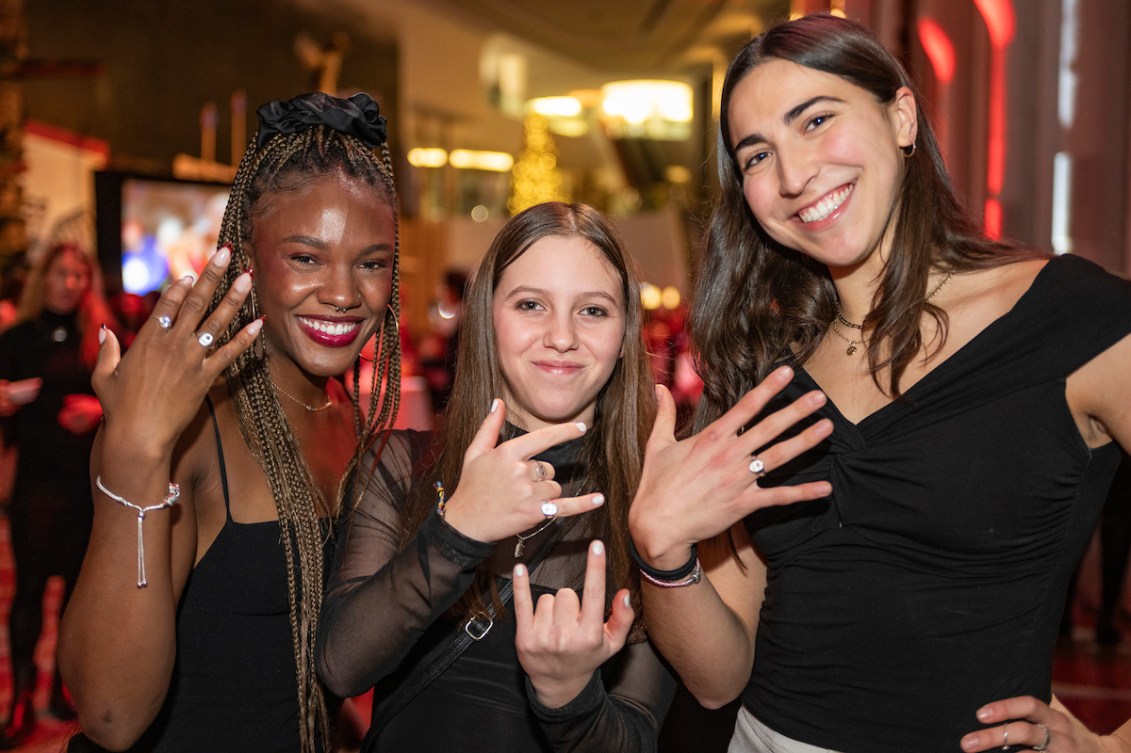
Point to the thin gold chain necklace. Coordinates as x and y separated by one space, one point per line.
852 344
311 408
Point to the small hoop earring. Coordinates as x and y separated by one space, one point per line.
908 150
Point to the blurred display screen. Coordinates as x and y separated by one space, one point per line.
161 228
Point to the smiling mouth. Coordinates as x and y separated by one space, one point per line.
825 206
333 329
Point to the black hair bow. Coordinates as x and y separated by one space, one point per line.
357 116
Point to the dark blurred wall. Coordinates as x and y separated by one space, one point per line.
162 61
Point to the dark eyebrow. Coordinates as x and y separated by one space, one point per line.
793 114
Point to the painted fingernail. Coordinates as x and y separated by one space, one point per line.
102 333
242 284
254 327
597 548
627 600
494 405
222 255
189 279
581 426
519 571
549 509
598 500
250 271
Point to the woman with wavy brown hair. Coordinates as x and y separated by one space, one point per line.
539 455
217 501
907 430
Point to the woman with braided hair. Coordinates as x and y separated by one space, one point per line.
192 625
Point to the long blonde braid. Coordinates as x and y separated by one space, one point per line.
317 150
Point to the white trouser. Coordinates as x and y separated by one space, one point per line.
751 736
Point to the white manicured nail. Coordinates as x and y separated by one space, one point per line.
494 405
597 548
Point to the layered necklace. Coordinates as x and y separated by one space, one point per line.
311 408
853 343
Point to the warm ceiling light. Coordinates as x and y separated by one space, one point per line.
639 101
556 107
670 297
468 159
427 157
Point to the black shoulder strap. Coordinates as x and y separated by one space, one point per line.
466 634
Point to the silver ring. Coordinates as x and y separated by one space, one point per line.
164 321
550 510
1044 743
757 467
1005 736
539 470
205 339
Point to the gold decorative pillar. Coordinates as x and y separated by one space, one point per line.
13 52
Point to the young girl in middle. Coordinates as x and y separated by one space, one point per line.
527 489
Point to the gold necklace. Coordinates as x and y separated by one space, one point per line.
520 547
853 343
311 408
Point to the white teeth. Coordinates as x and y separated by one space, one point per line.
335 329
825 206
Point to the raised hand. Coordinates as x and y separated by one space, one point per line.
697 488
161 381
565 640
502 492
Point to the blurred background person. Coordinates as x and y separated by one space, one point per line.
51 414
438 346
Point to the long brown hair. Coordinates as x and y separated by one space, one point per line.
613 448
284 161
92 309
758 304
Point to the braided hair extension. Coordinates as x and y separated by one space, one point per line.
280 163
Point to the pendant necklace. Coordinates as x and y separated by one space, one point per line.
852 344
520 546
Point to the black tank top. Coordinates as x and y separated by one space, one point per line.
234 686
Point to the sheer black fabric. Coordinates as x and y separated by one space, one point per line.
387 607
931 581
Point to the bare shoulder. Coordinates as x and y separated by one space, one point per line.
1003 285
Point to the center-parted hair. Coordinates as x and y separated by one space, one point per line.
282 163
757 303
613 451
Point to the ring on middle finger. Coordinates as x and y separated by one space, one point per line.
205 339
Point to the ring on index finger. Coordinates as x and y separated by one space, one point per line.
164 321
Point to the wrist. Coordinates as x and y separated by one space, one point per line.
687 574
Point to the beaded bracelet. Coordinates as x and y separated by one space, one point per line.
686 575
170 500
441 501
